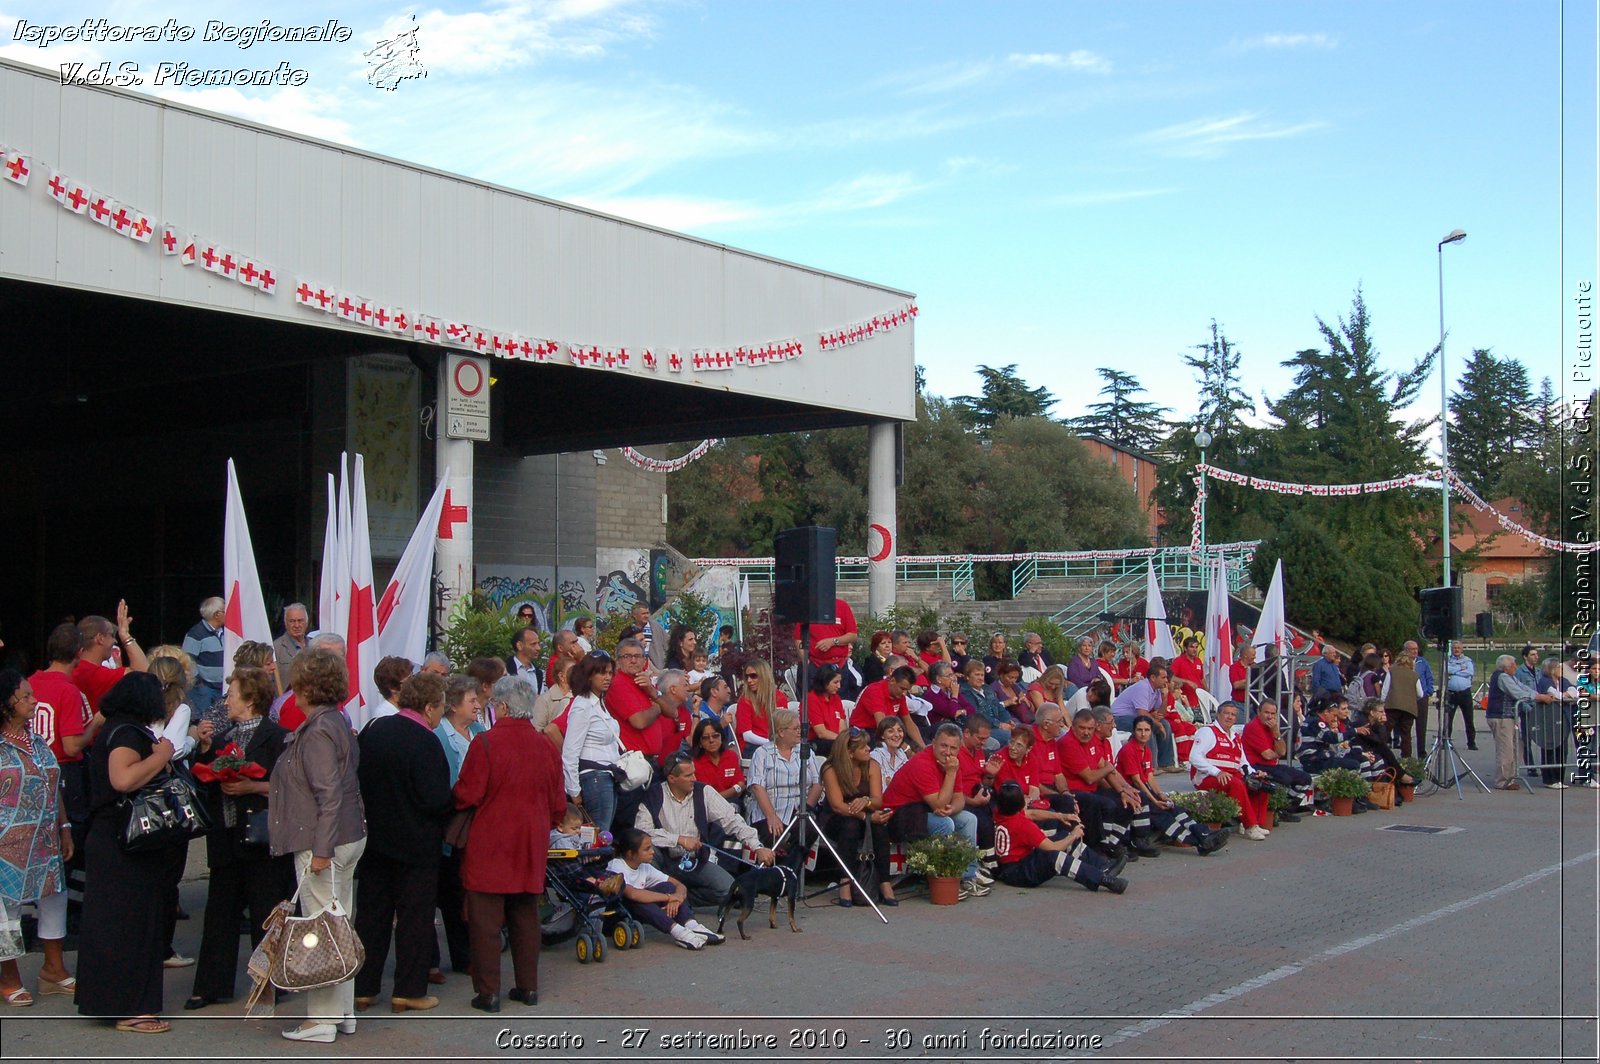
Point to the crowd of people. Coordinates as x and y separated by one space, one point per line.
450 794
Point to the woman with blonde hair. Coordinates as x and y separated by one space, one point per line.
856 818
1049 688
761 698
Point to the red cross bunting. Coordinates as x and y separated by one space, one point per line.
363 311
611 359
187 256
400 323
432 330
323 298
169 242
58 187
380 318
479 340
524 348
228 263
248 273
121 219
450 515
302 294
649 359
211 257
675 362
78 197
345 306
99 209
19 171
142 229
268 282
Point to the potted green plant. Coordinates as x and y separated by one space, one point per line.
1342 786
1417 769
1277 802
942 859
1211 808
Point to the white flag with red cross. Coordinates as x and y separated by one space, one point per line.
403 609
361 624
101 208
246 608
211 258
17 168
268 281
58 186
143 228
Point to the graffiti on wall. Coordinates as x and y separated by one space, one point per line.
513 587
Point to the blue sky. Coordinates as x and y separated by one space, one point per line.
1065 185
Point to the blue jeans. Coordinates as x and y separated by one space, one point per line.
1166 749
965 823
599 798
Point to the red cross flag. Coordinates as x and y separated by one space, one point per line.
101 208
249 274
345 307
399 321
58 186
16 168
268 281
210 257
143 228
648 357
674 361
429 328
246 610
187 255
304 294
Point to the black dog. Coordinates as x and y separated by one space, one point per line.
782 880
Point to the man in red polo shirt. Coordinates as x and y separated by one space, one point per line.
96 638
831 643
973 780
930 778
1189 671
1105 801
634 700
887 698
64 720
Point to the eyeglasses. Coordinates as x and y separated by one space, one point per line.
752 676
857 733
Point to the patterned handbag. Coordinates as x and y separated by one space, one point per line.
318 950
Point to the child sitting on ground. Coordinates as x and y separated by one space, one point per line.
1029 858
654 897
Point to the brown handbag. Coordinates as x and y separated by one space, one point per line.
319 950
460 825
1382 794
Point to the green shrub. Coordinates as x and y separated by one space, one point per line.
479 629
940 855
1060 646
1342 783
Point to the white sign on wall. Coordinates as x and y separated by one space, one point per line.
466 409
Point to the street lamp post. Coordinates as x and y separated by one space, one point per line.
1455 236
1202 440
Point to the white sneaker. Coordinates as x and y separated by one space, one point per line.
347 1025
1254 834
1557 786
984 878
686 938
711 937
971 888
177 960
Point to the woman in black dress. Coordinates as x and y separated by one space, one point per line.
127 914
244 874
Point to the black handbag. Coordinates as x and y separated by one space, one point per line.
257 828
166 811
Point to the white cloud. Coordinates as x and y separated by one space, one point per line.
1288 40
865 193
1078 59
314 114
1210 137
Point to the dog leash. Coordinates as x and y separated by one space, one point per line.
736 857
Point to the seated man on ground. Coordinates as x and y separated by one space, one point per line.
1029 858
924 791
684 819
1107 803
1325 743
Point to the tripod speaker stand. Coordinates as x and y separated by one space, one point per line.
804 594
1444 766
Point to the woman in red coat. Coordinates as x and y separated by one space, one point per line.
512 777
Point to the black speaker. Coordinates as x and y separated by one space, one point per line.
804 585
1485 625
1441 612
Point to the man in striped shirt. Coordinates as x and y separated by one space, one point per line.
204 645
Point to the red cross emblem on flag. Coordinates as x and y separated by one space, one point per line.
648 358
302 294
209 259
228 265
381 318
345 307
248 273
57 188
17 168
268 281
122 219
675 362
101 209
363 311
399 321
187 256
170 240
77 200
142 229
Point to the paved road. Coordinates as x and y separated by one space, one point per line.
1331 939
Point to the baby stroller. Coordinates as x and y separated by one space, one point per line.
586 902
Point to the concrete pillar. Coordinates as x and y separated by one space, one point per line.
452 557
882 532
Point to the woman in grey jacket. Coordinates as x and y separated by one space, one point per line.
317 816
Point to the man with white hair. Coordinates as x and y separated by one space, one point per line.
289 645
203 644
436 663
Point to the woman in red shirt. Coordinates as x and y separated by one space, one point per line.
716 765
825 708
1131 666
753 715
1136 763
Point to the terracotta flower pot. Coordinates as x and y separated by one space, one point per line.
1343 806
1214 825
944 890
1407 791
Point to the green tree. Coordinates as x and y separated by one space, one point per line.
1047 492
1490 420
1005 394
1121 418
1222 397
